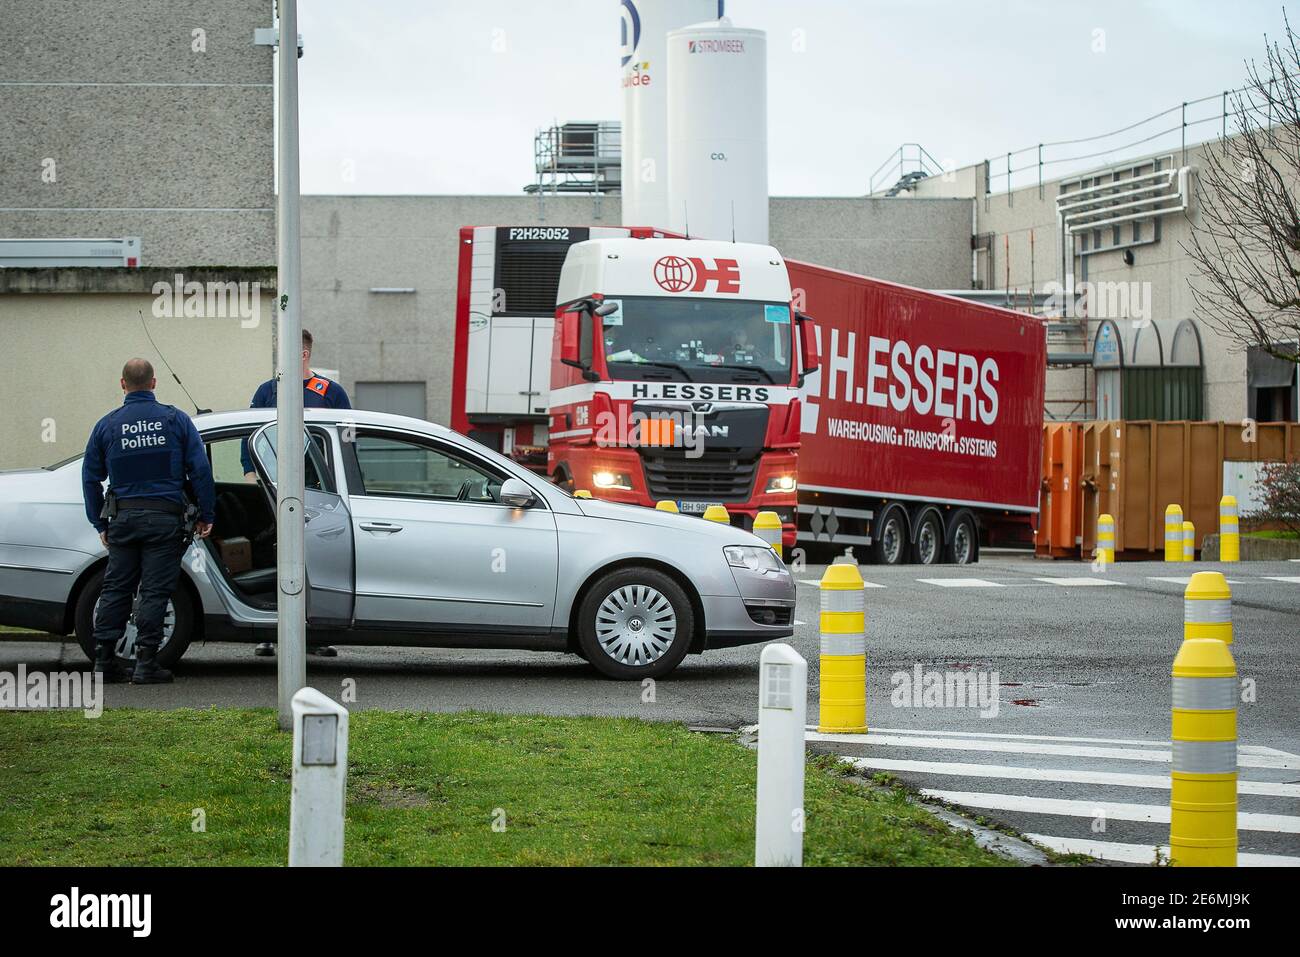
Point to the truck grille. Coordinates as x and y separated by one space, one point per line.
711 478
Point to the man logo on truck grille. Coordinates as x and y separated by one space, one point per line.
675 274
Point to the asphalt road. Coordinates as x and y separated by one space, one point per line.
1074 654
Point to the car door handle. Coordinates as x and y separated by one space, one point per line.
380 527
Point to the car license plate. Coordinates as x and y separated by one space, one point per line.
695 508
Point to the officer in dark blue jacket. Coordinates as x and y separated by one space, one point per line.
147 451
318 392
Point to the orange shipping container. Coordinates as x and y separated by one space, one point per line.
1058 520
1133 470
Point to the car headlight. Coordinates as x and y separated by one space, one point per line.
781 483
616 480
755 557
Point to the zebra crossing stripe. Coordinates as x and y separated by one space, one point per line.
1055 775
1137 742
1143 853
1114 810
1163 755
960 582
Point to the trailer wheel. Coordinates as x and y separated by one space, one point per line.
889 541
928 549
962 548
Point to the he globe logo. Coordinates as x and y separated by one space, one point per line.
674 274
680 274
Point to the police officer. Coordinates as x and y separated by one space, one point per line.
318 392
147 451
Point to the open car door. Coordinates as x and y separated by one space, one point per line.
328 531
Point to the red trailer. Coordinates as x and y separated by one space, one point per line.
921 430
917 436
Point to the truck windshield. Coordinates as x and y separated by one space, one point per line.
698 340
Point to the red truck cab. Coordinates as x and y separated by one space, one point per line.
675 375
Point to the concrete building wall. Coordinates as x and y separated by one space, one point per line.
64 347
1162 269
119 119
352 244
923 243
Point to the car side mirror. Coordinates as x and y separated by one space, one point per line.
517 494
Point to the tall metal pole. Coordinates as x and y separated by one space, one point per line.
291 620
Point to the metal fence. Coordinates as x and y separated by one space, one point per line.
1172 131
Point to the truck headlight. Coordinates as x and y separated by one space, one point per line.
616 480
781 483
755 557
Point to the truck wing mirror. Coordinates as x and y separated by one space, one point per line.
573 336
606 308
809 360
569 347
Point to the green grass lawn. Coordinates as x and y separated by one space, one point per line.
422 789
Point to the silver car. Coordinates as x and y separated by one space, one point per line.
415 536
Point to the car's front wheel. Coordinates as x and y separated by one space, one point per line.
178 624
635 623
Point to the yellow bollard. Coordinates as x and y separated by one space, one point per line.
1207 608
843 681
1203 793
1105 540
1229 533
582 493
667 505
767 526
1189 542
717 513
1173 534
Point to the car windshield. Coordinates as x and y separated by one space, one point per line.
698 340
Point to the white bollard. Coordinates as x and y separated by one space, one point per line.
320 780
782 711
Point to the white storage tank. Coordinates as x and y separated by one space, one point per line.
717 132
643 43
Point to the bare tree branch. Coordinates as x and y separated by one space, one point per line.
1245 239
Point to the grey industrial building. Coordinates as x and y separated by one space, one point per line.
151 120
126 122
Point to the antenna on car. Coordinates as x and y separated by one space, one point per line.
686 219
197 410
733 220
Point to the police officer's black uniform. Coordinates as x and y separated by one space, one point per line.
147 451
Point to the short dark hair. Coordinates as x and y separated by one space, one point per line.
138 374
306 340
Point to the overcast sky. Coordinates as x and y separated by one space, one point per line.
429 96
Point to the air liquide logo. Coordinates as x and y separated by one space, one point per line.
690 274
629 31
75 909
